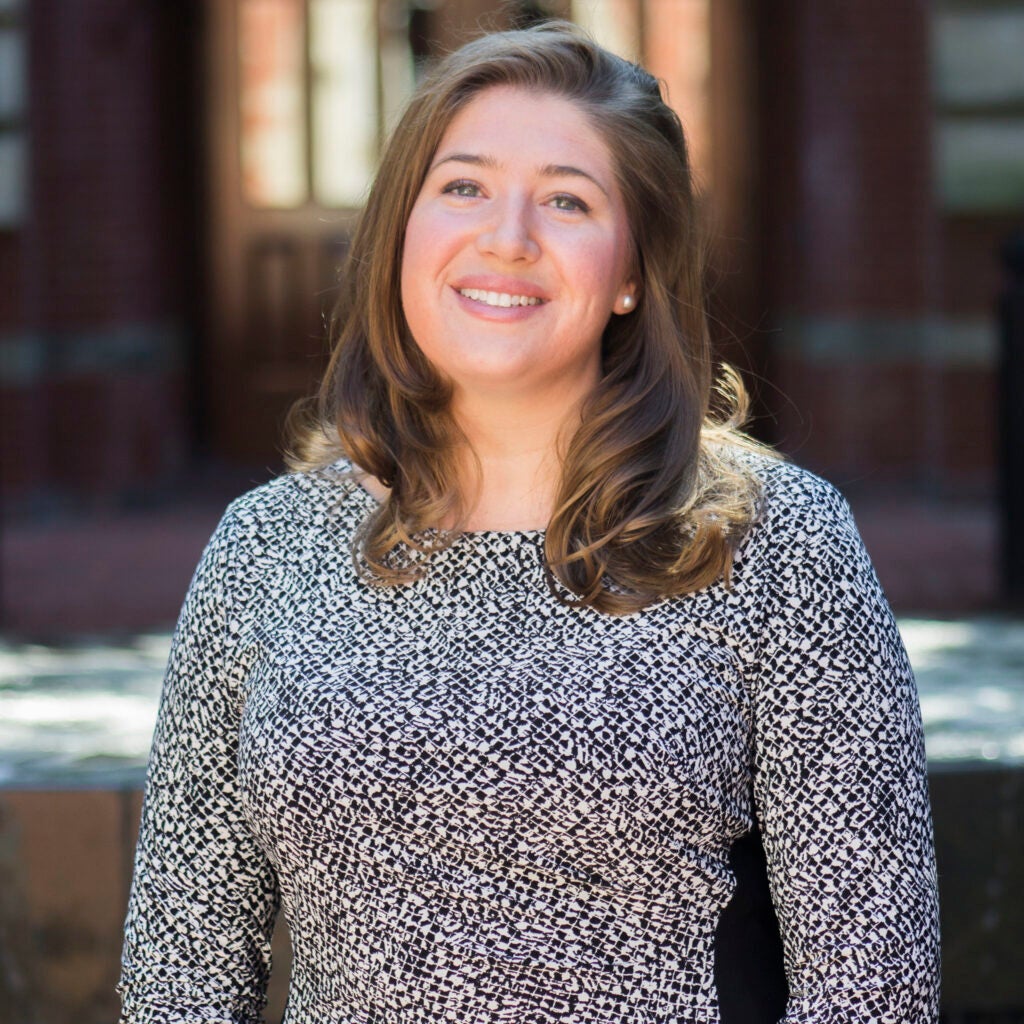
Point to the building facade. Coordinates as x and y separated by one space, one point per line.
178 183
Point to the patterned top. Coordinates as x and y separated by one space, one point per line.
478 805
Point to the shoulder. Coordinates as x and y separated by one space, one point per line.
756 489
805 570
798 513
797 498
314 492
287 511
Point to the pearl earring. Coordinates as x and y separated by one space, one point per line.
627 302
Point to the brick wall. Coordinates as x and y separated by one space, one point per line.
885 349
94 329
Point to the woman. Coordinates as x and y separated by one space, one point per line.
510 761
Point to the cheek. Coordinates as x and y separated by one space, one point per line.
421 264
413 251
431 242
418 274
601 270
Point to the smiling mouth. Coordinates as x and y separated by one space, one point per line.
503 299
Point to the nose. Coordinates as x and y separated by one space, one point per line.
509 232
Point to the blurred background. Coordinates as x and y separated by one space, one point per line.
178 183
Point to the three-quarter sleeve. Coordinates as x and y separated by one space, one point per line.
840 783
203 897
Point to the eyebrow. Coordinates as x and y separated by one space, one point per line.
547 171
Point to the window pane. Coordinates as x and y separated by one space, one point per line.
979 57
981 164
397 65
343 54
12 74
272 65
615 24
13 179
677 46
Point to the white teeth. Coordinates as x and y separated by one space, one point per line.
499 298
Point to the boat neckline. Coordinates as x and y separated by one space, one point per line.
371 501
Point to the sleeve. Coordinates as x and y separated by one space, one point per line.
840 784
203 897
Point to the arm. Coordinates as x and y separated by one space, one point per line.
204 897
841 785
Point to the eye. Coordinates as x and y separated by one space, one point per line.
462 187
569 203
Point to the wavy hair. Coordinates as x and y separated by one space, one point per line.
654 495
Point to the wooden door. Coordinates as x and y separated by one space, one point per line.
295 103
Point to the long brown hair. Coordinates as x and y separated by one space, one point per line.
652 499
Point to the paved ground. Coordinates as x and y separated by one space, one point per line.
82 714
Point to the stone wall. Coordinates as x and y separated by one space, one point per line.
65 871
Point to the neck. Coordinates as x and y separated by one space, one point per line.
516 471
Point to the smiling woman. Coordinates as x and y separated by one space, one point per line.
525 167
535 693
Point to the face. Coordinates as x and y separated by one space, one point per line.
517 249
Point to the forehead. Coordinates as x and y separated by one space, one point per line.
523 123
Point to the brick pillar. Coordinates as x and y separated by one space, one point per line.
97 325
849 226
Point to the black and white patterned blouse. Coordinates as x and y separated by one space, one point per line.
478 805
